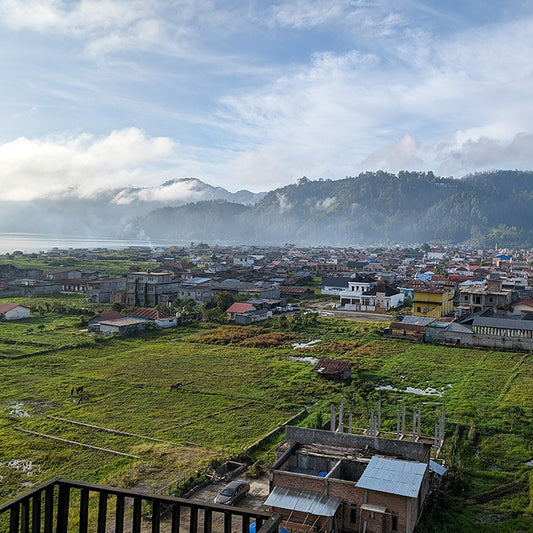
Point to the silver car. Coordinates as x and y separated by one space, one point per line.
233 492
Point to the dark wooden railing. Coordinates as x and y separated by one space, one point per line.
62 505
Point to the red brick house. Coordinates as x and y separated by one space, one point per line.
330 481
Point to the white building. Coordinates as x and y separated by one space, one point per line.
14 311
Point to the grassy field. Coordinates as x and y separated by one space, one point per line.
111 263
238 383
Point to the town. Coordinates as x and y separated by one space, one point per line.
475 298
329 475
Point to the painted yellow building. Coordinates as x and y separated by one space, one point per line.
432 302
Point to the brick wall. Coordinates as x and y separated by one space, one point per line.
405 509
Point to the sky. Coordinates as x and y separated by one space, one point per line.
100 94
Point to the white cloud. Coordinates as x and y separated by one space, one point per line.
182 191
108 26
306 13
396 156
284 203
326 203
462 105
82 165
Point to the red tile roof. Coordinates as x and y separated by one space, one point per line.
110 315
239 307
4 308
150 314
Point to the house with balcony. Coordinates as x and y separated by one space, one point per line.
352 299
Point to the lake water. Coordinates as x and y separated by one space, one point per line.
37 242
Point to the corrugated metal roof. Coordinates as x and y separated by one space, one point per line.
307 502
374 507
392 476
435 467
332 366
417 320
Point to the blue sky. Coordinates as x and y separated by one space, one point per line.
98 94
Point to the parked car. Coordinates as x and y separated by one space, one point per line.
233 492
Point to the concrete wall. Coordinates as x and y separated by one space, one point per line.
487 341
415 451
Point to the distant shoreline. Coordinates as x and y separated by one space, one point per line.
43 242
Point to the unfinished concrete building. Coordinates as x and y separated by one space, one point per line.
331 481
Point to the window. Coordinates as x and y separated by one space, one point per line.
394 525
353 514
418 309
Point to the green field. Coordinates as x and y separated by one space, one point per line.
239 383
109 262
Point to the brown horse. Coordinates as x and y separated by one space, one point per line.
79 390
175 386
83 398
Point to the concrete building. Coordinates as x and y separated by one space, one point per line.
504 331
143 288
475 297
330 481
14 311
101 290
432 300
352 299
159 318
122 326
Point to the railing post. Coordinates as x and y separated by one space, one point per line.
227 522
208 520
156 516
245 524
176 515
49 509
270 526
25 516
36 513
119 514
14 519
193 521
84 510
62 508
102 511
136 526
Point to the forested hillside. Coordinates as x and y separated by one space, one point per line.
375 207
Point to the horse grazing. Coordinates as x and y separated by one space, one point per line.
175 386
83 398
79 390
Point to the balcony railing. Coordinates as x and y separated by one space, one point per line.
61 506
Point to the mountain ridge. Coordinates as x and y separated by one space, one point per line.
375 207
480 210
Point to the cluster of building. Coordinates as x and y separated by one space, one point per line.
457 296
